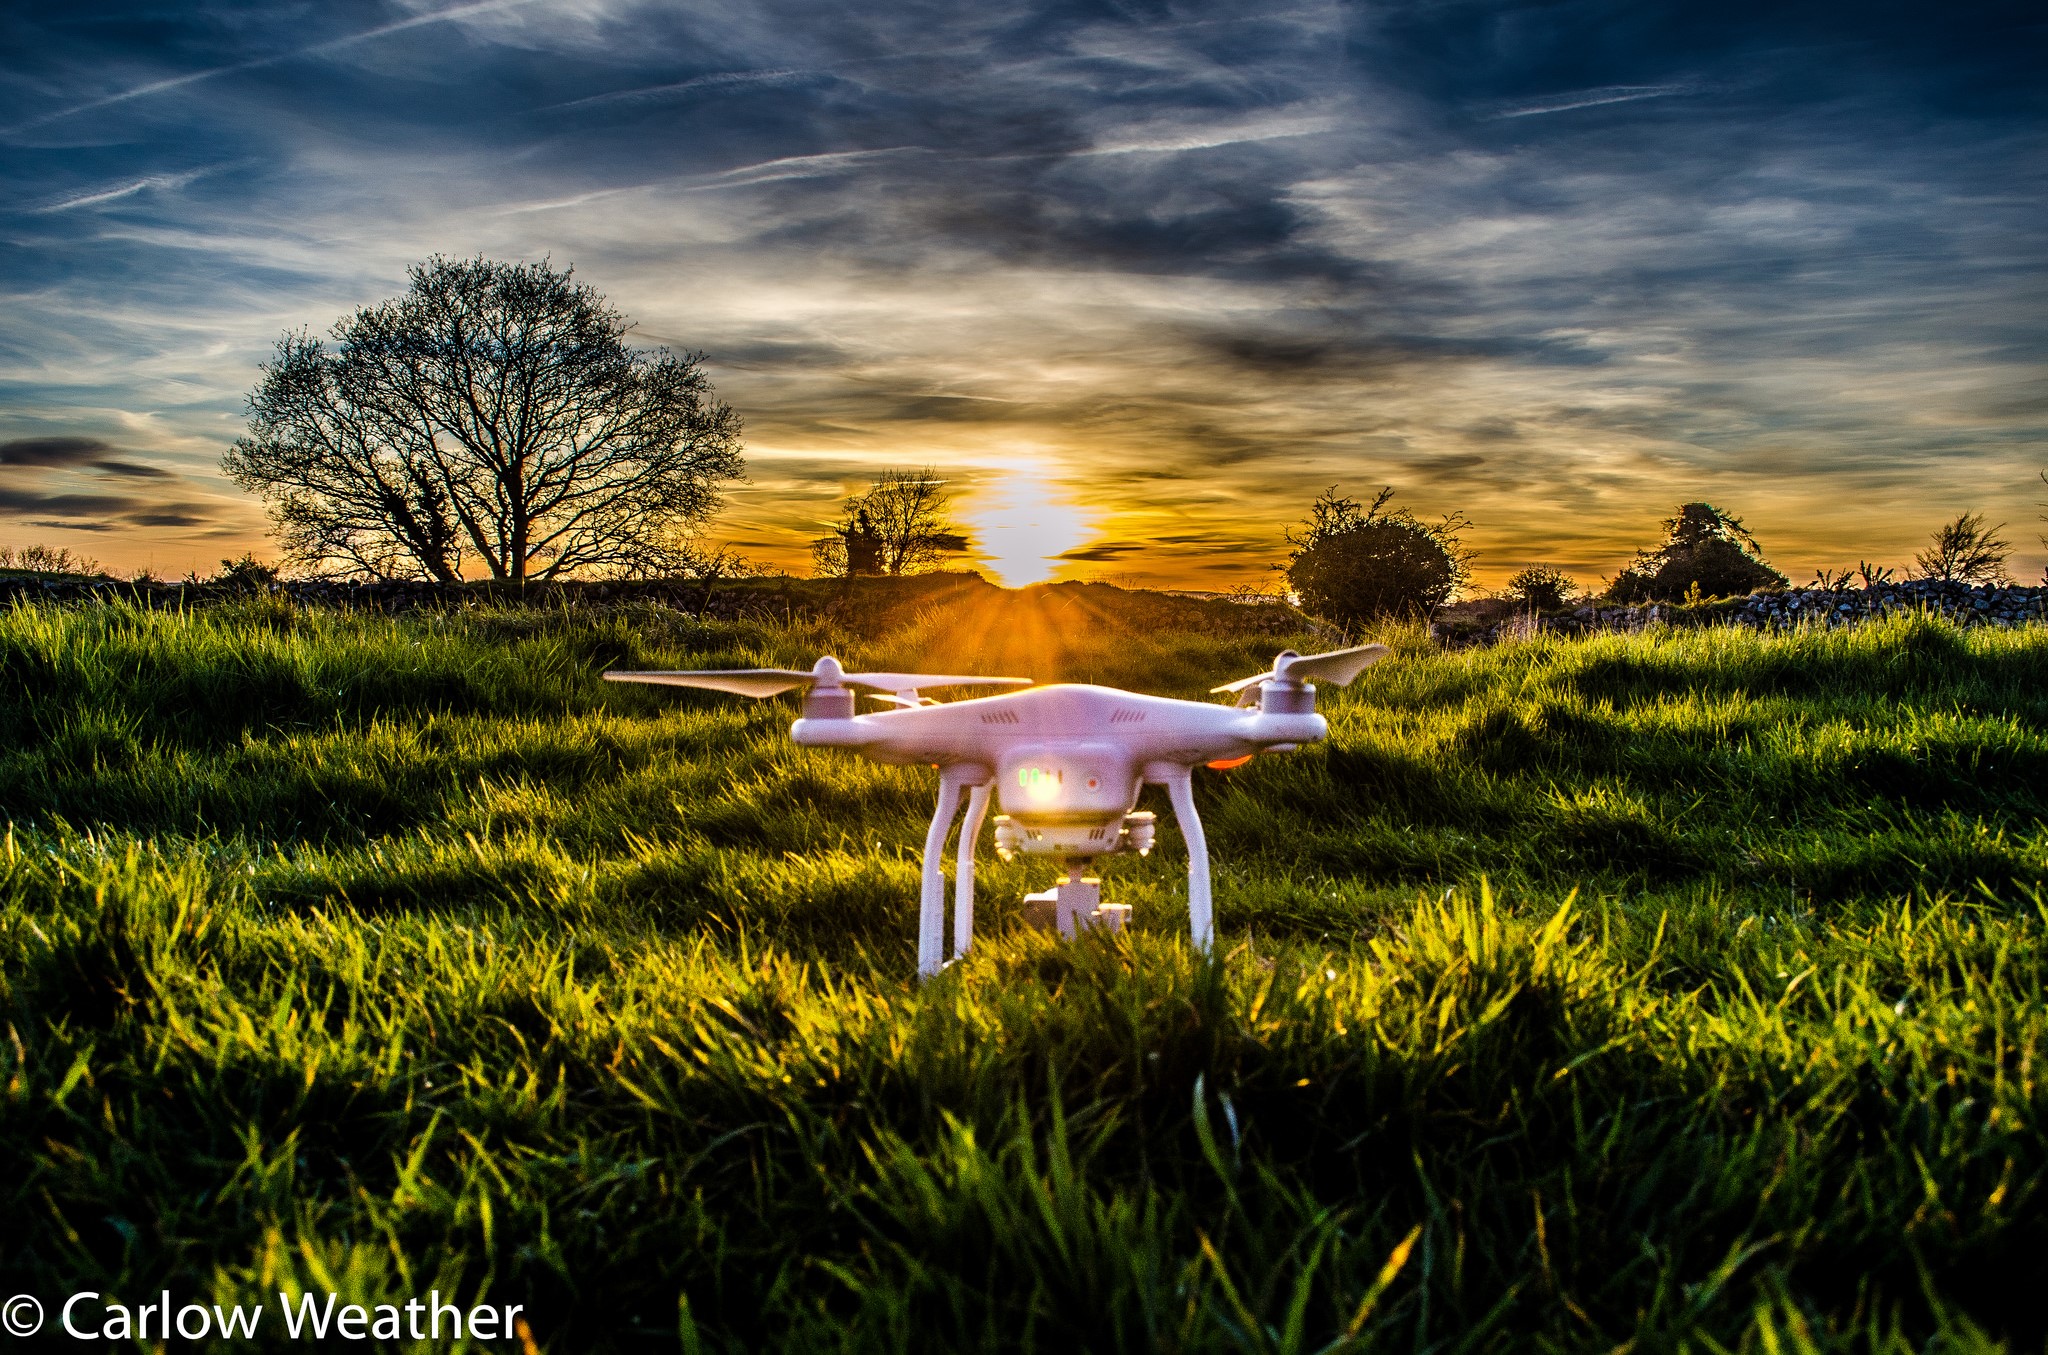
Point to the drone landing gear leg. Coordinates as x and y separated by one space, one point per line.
931 916
1201 912
963 875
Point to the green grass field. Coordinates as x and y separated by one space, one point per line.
1680 991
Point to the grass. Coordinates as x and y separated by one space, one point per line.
1679 991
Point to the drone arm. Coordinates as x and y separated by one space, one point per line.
1179 783
931 916
963 875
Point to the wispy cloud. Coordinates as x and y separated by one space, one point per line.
695 84
573 200
800 167
115 192
768 76
1169 139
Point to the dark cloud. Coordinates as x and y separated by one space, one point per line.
52 451
1108 550
1347 357
99 512
1230 230
1211 543
74 453
170 517
70 505
1451 466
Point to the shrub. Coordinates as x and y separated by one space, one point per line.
41 559
1542 588
246 575
1964 551
1352 562
1707 553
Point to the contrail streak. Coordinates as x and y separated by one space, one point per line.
714 81
125 190
331 44
1593 98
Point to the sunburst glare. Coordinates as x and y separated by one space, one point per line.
1022 523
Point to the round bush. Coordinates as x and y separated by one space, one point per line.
1389 566
1706 553
1542 588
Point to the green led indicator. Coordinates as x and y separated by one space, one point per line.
1034 778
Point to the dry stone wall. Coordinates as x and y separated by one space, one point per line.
1780 609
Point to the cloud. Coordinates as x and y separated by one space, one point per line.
1105 551
74 453
717 80
192 516
41 458
51 451
73 509
149 182
71 505
1175 137
799 167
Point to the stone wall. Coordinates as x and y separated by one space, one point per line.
1964 604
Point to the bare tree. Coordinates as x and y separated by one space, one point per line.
491 417
899 526
1964 551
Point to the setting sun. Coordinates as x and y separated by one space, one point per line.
1021 525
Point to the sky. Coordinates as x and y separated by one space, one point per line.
1139 280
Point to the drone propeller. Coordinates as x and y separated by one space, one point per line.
1339 666
762 682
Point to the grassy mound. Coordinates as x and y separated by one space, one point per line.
1681 990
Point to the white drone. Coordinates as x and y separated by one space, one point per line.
1066 761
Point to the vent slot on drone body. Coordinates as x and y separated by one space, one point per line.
1127 717
999 717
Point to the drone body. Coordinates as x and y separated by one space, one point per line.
1064 763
